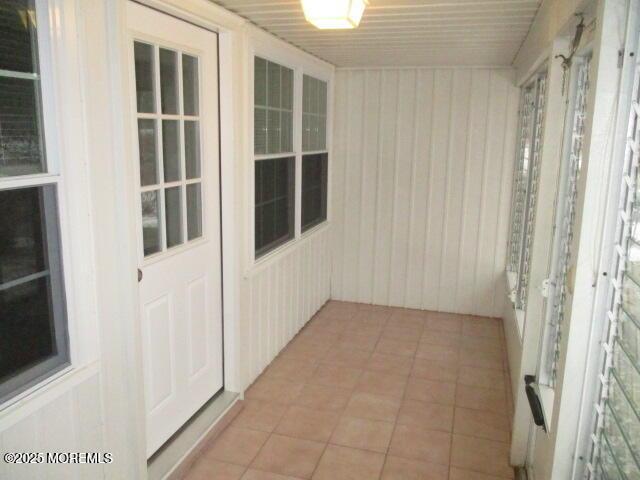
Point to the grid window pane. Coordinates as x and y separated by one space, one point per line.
32 324
144 60
21 142
314 114
194 211
151 233
314 190
273 108
169 81
171 150
192 148
274 208
173 215
190 91
147 142
17 30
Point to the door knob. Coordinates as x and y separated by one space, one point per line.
139 275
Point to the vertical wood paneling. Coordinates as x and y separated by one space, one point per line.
420 213
284 294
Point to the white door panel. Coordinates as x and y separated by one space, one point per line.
174 71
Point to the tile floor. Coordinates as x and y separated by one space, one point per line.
366 392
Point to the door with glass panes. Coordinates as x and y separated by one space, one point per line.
175 103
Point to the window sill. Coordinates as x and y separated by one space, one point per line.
30 401
285 249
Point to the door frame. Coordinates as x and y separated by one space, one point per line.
126 332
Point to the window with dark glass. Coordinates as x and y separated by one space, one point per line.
314 139
274 162
33 324
275 203
314 189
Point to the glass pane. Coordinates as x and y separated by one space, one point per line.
169 81
32 323
192 148
194 211
190 91
147 145
322 133
21 144
144 77
306 94
631 297
260 130
313 96
260 82
322 95
286 139
629 336
314 190
151 223
171 150
18 33
621 441
306 132
274 203
273 131
287 88
173 215
273 78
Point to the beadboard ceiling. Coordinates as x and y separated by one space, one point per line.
404 32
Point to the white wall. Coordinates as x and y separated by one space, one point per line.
421 168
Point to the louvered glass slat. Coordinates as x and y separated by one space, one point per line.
616 446
532 194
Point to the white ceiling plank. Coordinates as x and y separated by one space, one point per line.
404 32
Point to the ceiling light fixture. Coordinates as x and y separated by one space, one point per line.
334 14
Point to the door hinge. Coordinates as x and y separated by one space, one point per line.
620 57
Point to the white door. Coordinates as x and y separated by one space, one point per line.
174 67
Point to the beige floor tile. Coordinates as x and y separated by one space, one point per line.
274 390
414 323
460 474
373 407
439 353
478 423
403 334
481 455
308 424
323 398
290 370
478 398
305 349
482 327
372 318
336 376
343 463
390 346
430 416
346 357
206 469
430 391
445 339
490 344
289 456
259 475
397 468
481 377
260 415
445 322
328 325
413 441
481 358
382 384
391 364
434 370
357 341
237 445
361 433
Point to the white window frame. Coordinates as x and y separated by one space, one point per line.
268 48
67 168
564 221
